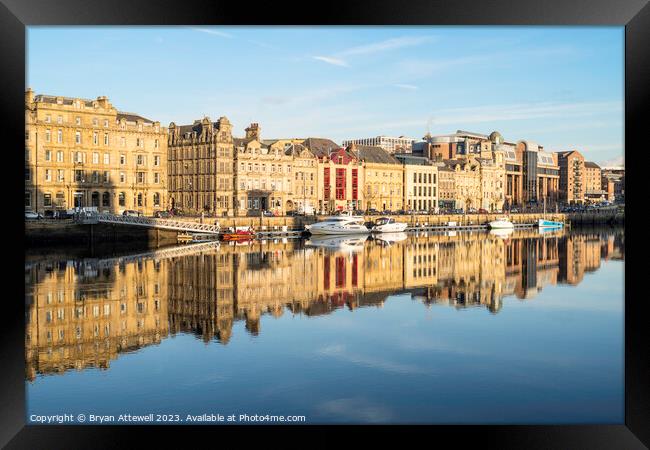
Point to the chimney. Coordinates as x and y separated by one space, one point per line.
103 102
253 131
29 96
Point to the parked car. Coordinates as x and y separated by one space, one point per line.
514 210
372 211
162 214
482 211
268 213
31 215
357 212
472 211
131 213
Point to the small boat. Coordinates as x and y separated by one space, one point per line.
501 223
238 234
343 224
543 223
388 225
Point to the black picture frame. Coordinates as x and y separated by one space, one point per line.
15 15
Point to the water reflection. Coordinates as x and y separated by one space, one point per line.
82 313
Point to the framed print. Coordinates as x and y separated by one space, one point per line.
377 218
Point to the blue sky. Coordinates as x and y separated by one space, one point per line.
561 87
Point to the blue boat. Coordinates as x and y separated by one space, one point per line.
543 223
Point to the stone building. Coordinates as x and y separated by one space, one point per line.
264 178
383 177
446 186
340 176
392 145
594 191
467 182
305 174
86 153
572 176
541 174
201 167
420 182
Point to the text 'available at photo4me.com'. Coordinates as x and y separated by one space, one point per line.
206 418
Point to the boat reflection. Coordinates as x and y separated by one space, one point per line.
502 232
390 238
352 243
84 312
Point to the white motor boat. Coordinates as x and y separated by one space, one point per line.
343 224
388 225
338 243
501 223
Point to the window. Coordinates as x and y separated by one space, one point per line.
156 199
77 137
48 118
26 135
140 159
122 159
95 158
59 119
107 158
105 138
48 175
139 142
48 135
106 175
28 199
26 154
140 177
78 120
60 199
95 176
60 175
95 138
155 143
95 122
105 123
122 199
156 178
79 175
59 156
123 141
122 177
59 136
48 155
47 200
28 174
139 199
156 160
106 198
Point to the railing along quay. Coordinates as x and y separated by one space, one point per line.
165 224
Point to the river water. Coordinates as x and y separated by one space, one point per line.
428 328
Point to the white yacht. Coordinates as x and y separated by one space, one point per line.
343 224
501 223
388 225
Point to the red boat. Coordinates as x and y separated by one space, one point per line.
238 234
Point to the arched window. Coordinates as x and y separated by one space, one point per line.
122 199
106 199
156 199
95 199
139 199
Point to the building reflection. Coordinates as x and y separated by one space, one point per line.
83 313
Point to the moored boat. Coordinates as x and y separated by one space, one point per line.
543 223
501 223
388 225
343 224
238 234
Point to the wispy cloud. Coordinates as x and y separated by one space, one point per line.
386 45
341 353
330 60
339 58
409 87
214 31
